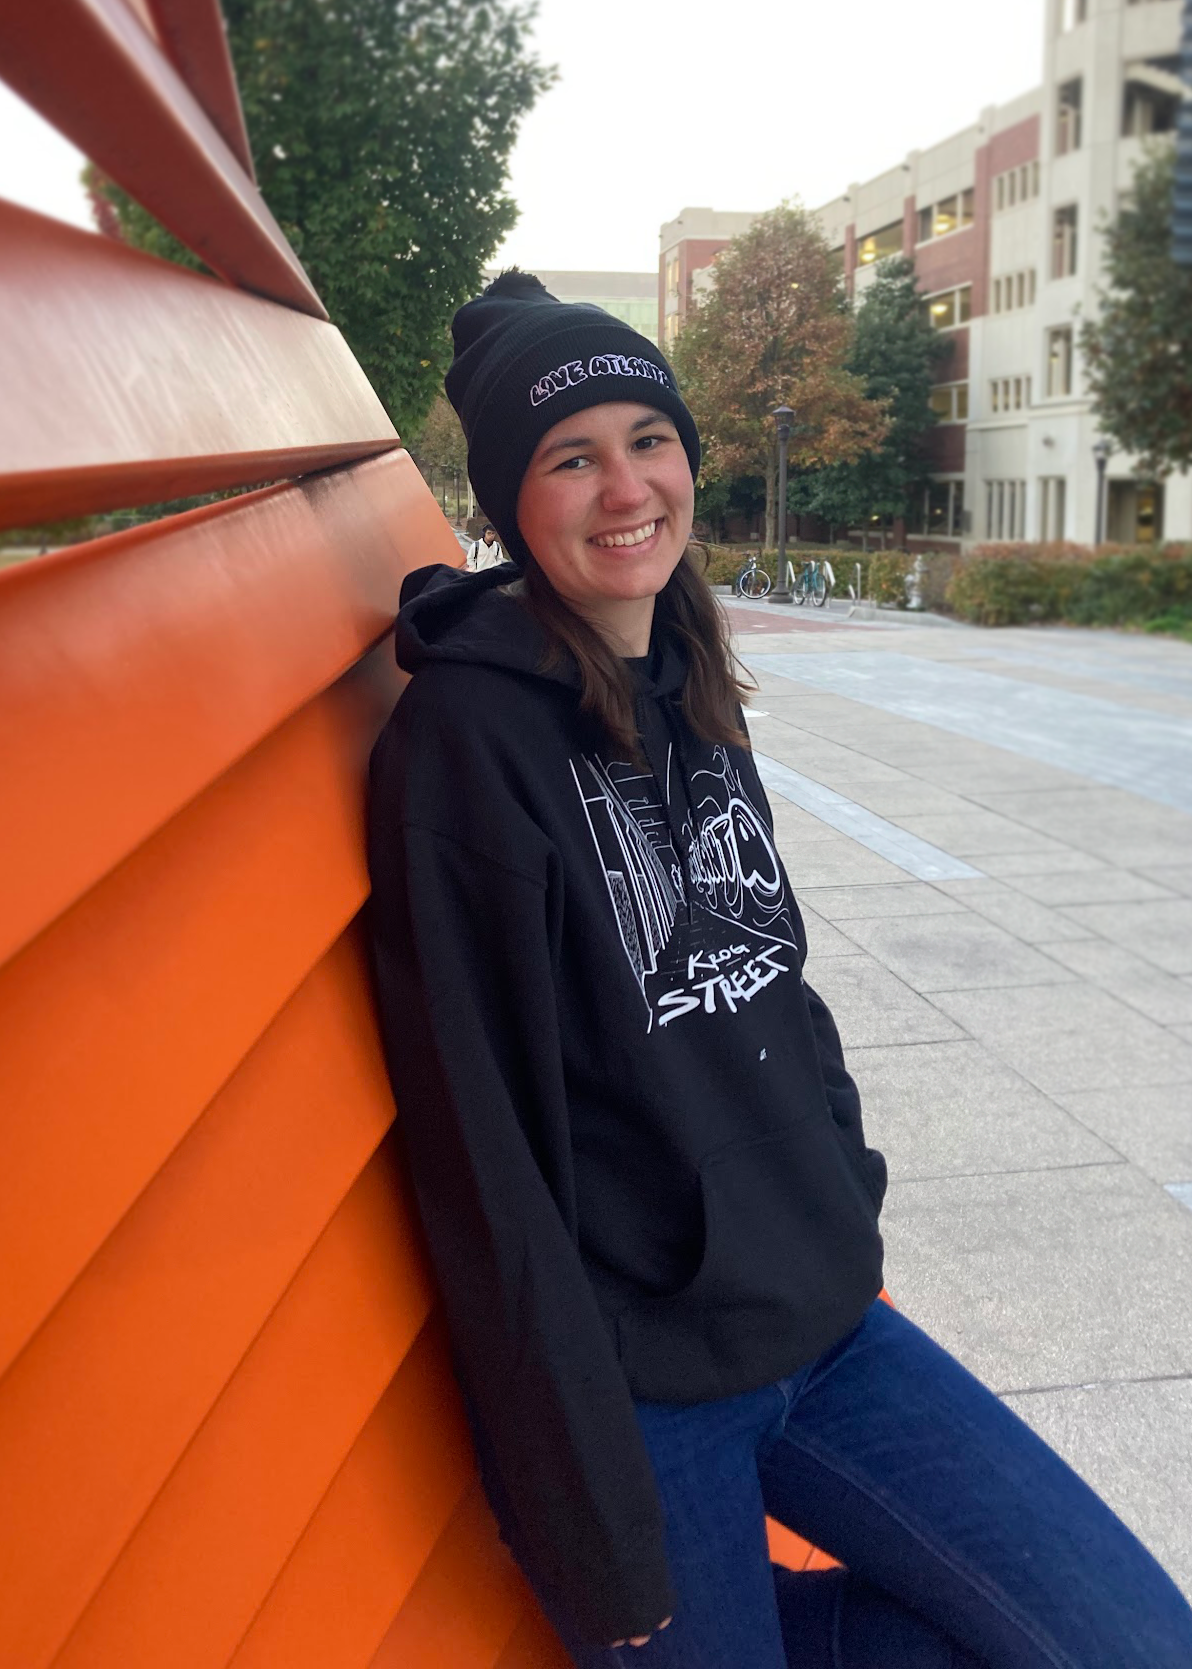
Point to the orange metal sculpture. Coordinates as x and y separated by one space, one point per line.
229 1434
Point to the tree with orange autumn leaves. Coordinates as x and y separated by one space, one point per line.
776 329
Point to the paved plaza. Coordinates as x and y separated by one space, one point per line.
990 835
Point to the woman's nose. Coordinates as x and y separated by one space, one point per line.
623 487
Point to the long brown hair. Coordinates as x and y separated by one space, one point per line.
688 614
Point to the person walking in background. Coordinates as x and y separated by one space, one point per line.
486 551
638 1153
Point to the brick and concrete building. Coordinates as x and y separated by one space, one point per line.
632 296
690 244
1003 223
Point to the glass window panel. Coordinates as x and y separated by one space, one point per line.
966 207
938 505
941 403
942 310
962 402
993 395
999 193
1018 394
965 297
997 295
1012 188
1020 289
925 219
956 521
945 216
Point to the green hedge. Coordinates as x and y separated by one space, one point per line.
1023 584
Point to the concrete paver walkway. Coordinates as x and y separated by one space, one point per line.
990 834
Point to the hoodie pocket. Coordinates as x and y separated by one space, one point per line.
791 1258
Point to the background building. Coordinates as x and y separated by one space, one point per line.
1003 224
689 245
632 296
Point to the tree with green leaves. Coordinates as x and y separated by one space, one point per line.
775 330
895 356
1138 350
381 132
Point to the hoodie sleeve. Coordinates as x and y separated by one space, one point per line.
463 948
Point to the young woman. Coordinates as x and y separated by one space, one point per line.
638 1154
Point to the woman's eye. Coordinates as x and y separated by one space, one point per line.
574 463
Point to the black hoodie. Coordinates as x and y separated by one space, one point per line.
637 1152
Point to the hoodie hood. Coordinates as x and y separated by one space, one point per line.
448 614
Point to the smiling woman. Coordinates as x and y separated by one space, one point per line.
639 1156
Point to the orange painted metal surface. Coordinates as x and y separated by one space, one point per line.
229 1431
223 390
147 663
192 35
91 68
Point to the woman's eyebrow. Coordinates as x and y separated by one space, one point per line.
568 441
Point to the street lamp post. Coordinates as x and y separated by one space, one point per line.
782 422
1101 453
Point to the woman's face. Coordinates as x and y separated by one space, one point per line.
606 505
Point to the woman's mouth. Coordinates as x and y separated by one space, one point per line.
632 538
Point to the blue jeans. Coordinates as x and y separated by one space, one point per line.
968 1543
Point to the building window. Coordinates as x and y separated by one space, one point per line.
1052 494
1005 509
672 276
1016 185
1067 118
671 327
950 214
1063 242
1151 97
949 402
1072 12
950 308
1059 360
1014 289
887 240
943 509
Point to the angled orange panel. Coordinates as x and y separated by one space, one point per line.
119 1023
535 1645
116 96
374 1529
188 1582
177 383
145 664
467 1602
97 1410
786 1548
192 34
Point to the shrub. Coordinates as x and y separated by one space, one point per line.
887 576
1012 585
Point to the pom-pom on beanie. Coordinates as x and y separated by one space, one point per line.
523 362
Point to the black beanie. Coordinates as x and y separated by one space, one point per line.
523 362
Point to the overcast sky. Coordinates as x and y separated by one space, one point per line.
728 105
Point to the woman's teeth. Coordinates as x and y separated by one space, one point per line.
638 537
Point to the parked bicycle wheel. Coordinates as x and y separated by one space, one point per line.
819 588
753 582
799 588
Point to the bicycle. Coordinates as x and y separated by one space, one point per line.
752 581
812 582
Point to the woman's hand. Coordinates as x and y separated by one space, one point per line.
641 1639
